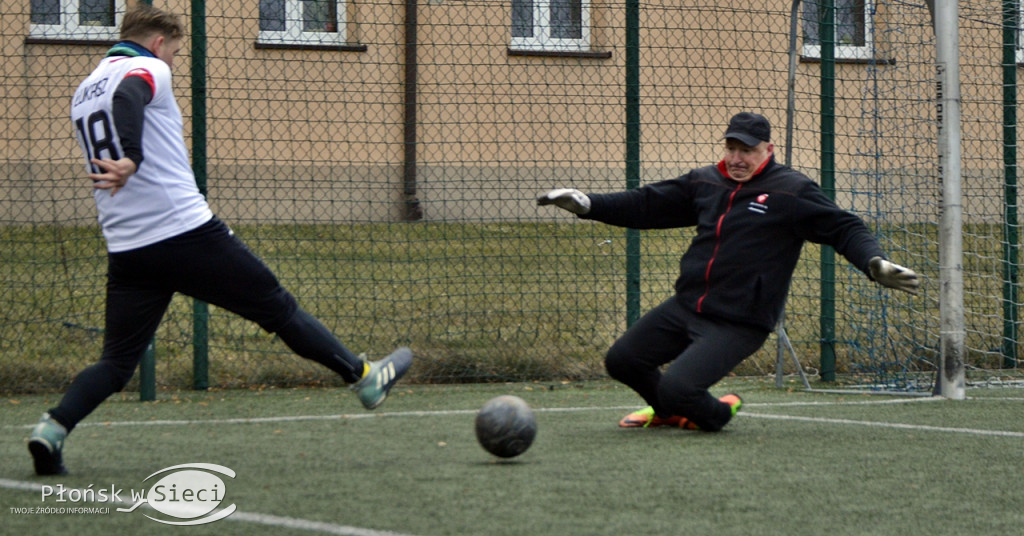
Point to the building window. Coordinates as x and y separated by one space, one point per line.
1019 47
555 25
302 22
852 24
75 19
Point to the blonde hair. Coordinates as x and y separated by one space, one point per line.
144 20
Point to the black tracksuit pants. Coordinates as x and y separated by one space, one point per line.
699 352
208 263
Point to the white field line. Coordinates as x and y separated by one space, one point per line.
873 424
442 413
437 413
247 517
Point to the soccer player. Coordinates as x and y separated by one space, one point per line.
752 217
163 238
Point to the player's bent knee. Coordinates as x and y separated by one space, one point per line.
618 363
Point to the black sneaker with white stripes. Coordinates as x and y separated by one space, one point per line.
45 445
374 387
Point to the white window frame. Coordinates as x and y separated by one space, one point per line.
850 52
70 28
542 40
293 34
1019 45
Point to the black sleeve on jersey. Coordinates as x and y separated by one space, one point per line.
130 100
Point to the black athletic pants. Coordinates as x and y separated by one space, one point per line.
699 352
208 263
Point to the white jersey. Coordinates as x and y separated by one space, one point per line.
161 199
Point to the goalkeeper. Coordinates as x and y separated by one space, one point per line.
752 216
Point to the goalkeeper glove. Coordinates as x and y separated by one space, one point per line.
574 201
893 275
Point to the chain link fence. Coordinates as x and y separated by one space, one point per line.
383 158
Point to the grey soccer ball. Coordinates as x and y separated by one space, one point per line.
505 426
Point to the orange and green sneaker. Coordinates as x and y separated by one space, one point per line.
734 401
645 418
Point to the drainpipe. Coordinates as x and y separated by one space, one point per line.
411 209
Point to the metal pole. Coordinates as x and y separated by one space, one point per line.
782 337
950 383
411 210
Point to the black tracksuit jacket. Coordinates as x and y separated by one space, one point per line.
749 235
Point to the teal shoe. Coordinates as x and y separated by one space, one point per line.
45 445
374 387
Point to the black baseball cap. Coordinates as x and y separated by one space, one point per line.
749 128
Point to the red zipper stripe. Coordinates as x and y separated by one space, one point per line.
714 253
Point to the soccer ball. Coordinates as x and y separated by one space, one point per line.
505 426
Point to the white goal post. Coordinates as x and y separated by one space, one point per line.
951 380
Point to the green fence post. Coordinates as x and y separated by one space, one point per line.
827 321
632 154
1011 239
200 345
147 367
200 310
147 373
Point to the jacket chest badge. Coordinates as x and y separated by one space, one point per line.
759 205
